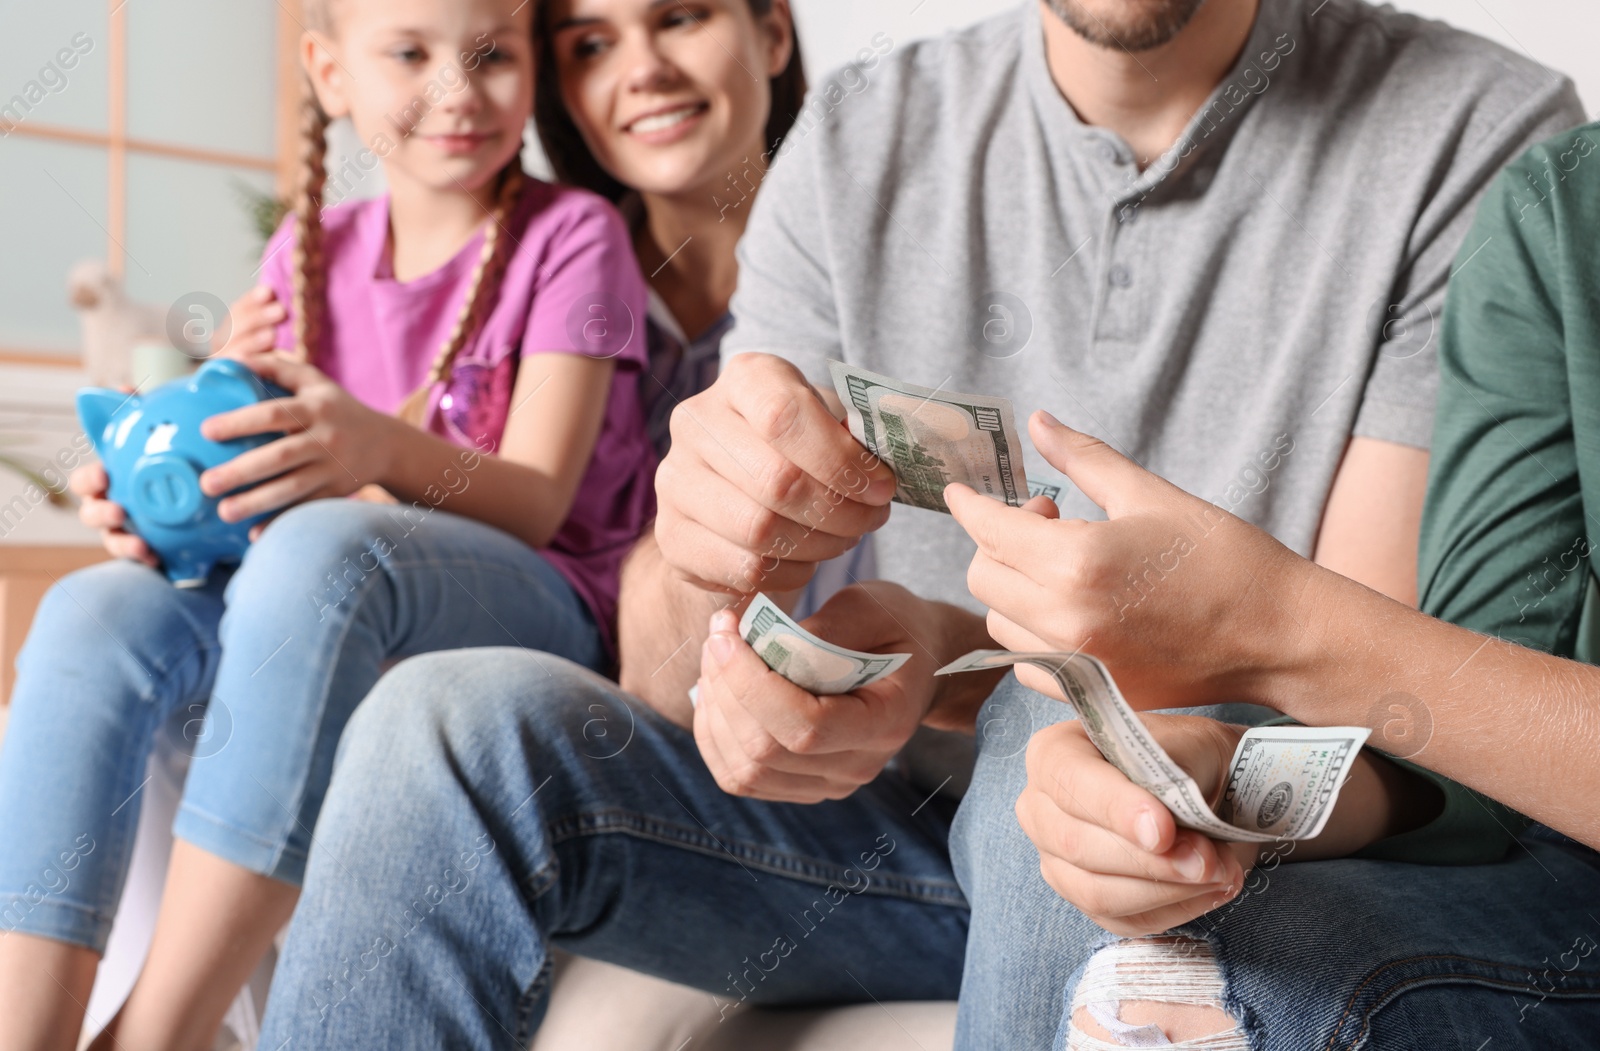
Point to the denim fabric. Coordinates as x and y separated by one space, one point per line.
488 805
1326 954
256 675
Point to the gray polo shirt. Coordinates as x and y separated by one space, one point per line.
1228 317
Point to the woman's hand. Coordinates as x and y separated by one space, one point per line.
332 444
1181 600
1111 848
89 483
253 322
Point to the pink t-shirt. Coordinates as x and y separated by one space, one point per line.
571 286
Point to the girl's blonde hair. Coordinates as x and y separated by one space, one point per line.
310 270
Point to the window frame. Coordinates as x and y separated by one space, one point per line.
118 146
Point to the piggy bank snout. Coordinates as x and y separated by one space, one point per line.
166 490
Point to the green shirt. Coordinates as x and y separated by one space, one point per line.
1514 485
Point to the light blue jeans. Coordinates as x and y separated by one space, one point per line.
254 675
1325 954
489 805
462 840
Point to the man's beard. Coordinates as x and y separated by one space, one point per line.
1126 25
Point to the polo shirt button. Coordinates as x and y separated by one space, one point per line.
1108 152
1120 276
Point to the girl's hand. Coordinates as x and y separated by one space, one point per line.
1111 848
253 322
1185 603
332 444
89 483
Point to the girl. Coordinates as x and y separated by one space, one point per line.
496 317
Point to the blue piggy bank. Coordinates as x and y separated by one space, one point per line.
154 454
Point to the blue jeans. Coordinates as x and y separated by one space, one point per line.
490 804
1324 954
254 676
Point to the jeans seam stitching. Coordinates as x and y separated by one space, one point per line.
278 847
773 862
1366 1015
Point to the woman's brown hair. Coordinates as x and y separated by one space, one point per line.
569 155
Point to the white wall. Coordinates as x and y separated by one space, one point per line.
1562 34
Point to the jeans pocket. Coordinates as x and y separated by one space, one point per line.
1513 993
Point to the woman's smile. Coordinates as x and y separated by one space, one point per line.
668 124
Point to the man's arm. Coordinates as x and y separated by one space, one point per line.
662 621
1244 618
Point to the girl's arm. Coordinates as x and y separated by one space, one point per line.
557 408
334 445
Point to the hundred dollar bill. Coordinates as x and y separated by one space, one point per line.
930 438
810 663
1282 781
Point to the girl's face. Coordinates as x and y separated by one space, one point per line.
671 96
440 90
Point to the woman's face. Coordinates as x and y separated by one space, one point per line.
671 96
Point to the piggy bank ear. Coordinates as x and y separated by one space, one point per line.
222 374
226 376
96 407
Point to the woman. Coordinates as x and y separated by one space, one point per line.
652 107
1484 948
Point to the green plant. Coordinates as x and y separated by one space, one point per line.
28 474
266 212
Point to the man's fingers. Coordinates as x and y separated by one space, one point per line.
1107 477
759 771
1115 897
729 447
1042 506
1013 636
739 776
726 510
1192 860
795 422
715 563
1066 767
1157 921
1006 589
1003 533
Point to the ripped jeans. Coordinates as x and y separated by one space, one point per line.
1328 954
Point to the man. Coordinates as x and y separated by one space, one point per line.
1218 234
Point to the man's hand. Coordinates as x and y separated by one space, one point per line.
1113 849
333 445
1181 600
763 736
762 482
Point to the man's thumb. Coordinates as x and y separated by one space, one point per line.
1107 477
